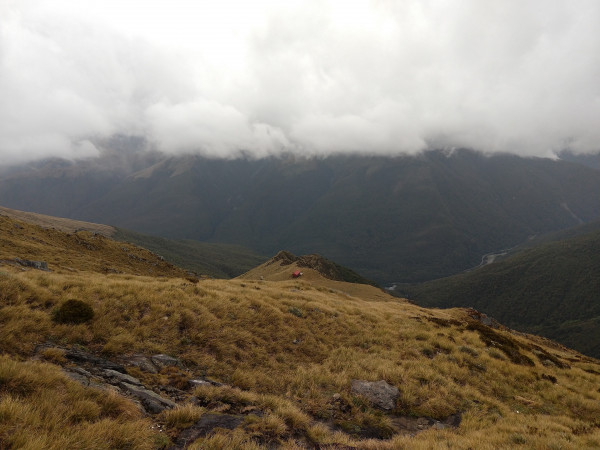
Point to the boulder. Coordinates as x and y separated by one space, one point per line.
379 393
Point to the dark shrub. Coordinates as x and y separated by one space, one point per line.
73 311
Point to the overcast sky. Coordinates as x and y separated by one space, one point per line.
218 77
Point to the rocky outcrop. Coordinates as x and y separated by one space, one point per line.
141 362
82 357
324 266
40 265
484 319
379 393
150 400
93 371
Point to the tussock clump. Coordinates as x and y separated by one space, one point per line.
73 312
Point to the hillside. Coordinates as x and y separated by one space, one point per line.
167 362
202 258
64 252
551 289
401 219
281 265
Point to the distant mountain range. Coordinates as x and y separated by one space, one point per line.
552 289
401 219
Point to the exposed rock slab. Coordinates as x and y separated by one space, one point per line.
81 357
151 401
40 265
117 377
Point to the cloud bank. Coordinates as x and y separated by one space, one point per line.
315 77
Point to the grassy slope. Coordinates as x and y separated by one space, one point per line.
551 289
79 251
67 225
203 258
212 259
286 347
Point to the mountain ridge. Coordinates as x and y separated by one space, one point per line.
391 219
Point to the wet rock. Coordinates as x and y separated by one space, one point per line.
161 361
151 401
379 393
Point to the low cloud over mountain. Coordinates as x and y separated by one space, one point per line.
313 77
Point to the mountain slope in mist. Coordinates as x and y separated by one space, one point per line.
391 219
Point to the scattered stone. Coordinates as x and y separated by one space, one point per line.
205 425
118 377
380 393
413 425
80 375
195 383
151 401
174 393
215 383
140 361
40 265
165 361
485 319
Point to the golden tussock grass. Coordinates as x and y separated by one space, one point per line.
40 407
286 347
78 250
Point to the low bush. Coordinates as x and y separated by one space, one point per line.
73 312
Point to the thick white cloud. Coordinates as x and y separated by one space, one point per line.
312 76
